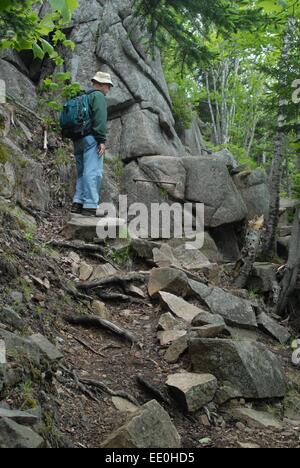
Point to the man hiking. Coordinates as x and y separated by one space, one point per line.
89 149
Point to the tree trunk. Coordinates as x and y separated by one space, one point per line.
277 165
288 282
250 251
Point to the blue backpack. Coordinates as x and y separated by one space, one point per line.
75 118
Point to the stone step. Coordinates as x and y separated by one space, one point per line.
89 228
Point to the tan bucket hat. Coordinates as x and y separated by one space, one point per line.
103 78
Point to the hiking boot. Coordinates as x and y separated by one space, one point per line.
76 208
92 212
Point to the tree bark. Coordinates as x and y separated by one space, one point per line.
250 251
289 279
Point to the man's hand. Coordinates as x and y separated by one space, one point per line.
101 150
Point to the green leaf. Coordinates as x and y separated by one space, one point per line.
47 48
37 51
69 44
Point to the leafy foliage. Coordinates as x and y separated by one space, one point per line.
21 27
188 24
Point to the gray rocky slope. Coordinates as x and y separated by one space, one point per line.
216 346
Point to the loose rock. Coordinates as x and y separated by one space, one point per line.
192 391
180 307
248 367
14 435
47 349
150 427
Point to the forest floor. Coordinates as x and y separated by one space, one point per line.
86 416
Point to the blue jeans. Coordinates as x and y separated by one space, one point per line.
89 172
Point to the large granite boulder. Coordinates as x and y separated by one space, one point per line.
109 37
248 367
193 139
253 187
209 182
18 85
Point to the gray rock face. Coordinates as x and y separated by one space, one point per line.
254 190
192 391
263 277
248 367
108 38
149 427
18 85
269 326
193 139
209 182
227 158
154 141
227 242
235 311
16 436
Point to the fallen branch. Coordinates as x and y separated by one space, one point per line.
121 297
79 247
120 280
101 386
85 345
95 321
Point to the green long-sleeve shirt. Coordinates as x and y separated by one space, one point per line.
98 110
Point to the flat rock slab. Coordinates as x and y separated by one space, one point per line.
177 349
89 228
271 327
236 312
150 427
179 307
168 337
16 436
192 391
255 419
47 349
206 318
168 280
208 331
123 405
20 417
248 367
